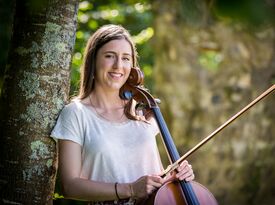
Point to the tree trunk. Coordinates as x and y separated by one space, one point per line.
206 70
35 89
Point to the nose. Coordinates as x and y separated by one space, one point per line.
118 63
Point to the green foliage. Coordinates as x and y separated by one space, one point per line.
254 13
57 196
133 15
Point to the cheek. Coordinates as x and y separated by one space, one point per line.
97 64
128 65
127 71
103 63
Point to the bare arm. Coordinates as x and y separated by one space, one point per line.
75 187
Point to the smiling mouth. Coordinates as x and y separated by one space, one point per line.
115 75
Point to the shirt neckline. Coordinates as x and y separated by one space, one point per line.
93 111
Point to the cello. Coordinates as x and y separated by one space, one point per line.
174 192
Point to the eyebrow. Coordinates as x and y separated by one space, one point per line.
115 53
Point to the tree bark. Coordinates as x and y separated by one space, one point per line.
35 88
206 70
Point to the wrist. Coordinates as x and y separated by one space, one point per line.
124 190
130 187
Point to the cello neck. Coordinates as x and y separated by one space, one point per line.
173 155
166 136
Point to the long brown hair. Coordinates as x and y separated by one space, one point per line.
102 36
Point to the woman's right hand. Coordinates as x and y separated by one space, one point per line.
145 185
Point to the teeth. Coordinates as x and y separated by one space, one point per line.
116 74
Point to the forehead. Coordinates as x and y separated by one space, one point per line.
118 46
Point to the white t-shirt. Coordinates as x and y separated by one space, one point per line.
111 152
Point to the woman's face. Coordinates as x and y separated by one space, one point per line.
113 64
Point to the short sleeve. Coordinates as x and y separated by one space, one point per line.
69 125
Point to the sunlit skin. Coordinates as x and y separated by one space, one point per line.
113 65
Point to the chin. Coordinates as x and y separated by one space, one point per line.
116 86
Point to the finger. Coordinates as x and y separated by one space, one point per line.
155 181
185 166
184 170
184 163
186 176
169 178
192 177
156 178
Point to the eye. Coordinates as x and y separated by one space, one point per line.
125 58
109 56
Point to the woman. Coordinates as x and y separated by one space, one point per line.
104 157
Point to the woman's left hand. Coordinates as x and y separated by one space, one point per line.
184 172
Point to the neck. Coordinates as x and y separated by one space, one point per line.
107 105
106 100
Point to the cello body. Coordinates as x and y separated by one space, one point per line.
170 194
